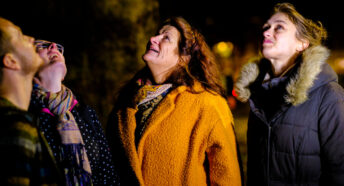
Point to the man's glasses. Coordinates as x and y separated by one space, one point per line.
41 44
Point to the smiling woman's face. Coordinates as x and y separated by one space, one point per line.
162 52
49 51
53 59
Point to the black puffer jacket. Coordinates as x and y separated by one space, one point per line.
96 145
296 123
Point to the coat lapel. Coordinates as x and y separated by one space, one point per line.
127 126
163 110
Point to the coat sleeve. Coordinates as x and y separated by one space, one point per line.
331 136
222 149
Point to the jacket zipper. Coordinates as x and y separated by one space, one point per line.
262 117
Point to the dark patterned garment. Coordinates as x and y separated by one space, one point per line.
98 151
144 111
25 156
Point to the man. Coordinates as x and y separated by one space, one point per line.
24 156
72 129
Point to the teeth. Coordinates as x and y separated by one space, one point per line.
53 56
154 50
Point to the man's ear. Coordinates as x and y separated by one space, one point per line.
10 61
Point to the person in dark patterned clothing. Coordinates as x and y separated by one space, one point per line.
72 128
25 157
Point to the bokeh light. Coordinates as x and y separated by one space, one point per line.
223 49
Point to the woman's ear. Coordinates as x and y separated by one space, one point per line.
303 45
9 61
184 59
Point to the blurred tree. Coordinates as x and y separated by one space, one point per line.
103 39
116 35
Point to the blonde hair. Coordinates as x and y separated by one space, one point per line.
315 33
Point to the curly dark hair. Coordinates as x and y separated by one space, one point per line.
202 66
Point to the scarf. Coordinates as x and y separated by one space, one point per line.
73 154
147 98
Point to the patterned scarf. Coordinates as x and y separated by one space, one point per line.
73 155
148 92
147 98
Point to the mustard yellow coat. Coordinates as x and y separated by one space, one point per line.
185 131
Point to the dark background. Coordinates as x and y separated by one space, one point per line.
105 39
218 20
240 21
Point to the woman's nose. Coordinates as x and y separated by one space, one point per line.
154 39
52 46
267 33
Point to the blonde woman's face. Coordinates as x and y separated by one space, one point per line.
280 40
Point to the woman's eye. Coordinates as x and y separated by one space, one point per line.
38 48
265 28
167 38
279 27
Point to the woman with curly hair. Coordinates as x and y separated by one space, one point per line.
171 124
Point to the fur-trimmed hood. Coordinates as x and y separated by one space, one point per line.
299 86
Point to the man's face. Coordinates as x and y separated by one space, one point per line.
23 50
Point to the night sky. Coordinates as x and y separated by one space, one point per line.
237 21
240 21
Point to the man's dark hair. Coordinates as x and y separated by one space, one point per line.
5 40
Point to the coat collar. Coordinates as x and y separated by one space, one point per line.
298 87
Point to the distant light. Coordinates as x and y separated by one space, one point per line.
234 93
224 49
340 63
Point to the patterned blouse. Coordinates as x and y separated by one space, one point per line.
96 145
146 106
